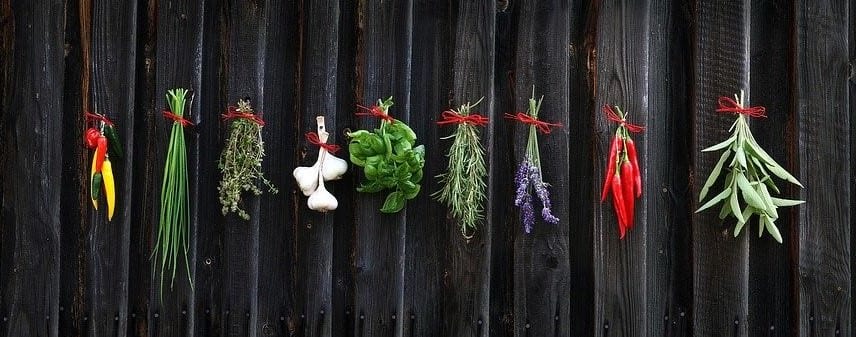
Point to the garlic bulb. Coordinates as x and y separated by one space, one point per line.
332 167
307 178
321 200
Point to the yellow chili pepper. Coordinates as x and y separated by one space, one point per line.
109 187
92 182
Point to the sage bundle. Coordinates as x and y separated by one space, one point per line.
464 186
173 226
748 182
241 159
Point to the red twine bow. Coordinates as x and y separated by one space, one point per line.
88 116
313 138
233 113
375 111
451 117
611 115
727 104
176 118
542 126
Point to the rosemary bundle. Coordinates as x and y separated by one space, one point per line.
464 187
173 229
241 159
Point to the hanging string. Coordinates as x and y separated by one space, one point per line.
89 117
729 105
233 113
611 115
375 111
313 138
452 117
542 126
176 118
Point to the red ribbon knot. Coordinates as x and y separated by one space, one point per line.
611 115
176 118
88 116
375 111
313 138
542 126
233 113
451 117
727 104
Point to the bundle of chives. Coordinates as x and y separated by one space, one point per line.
173 229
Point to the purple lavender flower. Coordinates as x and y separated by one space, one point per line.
527 212
544 195
522 198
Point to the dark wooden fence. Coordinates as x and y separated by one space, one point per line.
355 272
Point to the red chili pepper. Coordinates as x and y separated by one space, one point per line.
618 202
637 176
90 137
100 153
610 167
627 190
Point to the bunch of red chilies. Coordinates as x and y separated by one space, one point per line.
623 177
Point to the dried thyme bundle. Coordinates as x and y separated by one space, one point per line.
241 160
464 187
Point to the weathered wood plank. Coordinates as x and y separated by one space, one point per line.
313 230
667 162
821 104
179 49
383 69
113 51
31 165
427 260
620 302
276 218
720 261
541 261
769 261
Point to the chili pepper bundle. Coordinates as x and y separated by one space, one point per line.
748 181
241 159
389 157
101 136
528 176
464 187
623 177
173 226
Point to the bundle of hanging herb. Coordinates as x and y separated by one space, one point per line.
173 231
748 174
463 184
241 159
528 176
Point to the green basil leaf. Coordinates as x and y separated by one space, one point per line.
719 197
722 145
786 202
410 189
713 175
394 202
371 187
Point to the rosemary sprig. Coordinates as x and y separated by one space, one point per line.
464 187
173 227
241 160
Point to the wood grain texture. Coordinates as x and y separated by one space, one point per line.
314 230
32 134
429 306
383 70
179 49
277 257
113 51
821 103
541 259
667 161
769 262
720 260
620 302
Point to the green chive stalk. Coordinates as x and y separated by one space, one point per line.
464 186
173 229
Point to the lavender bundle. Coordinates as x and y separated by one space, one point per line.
528 176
